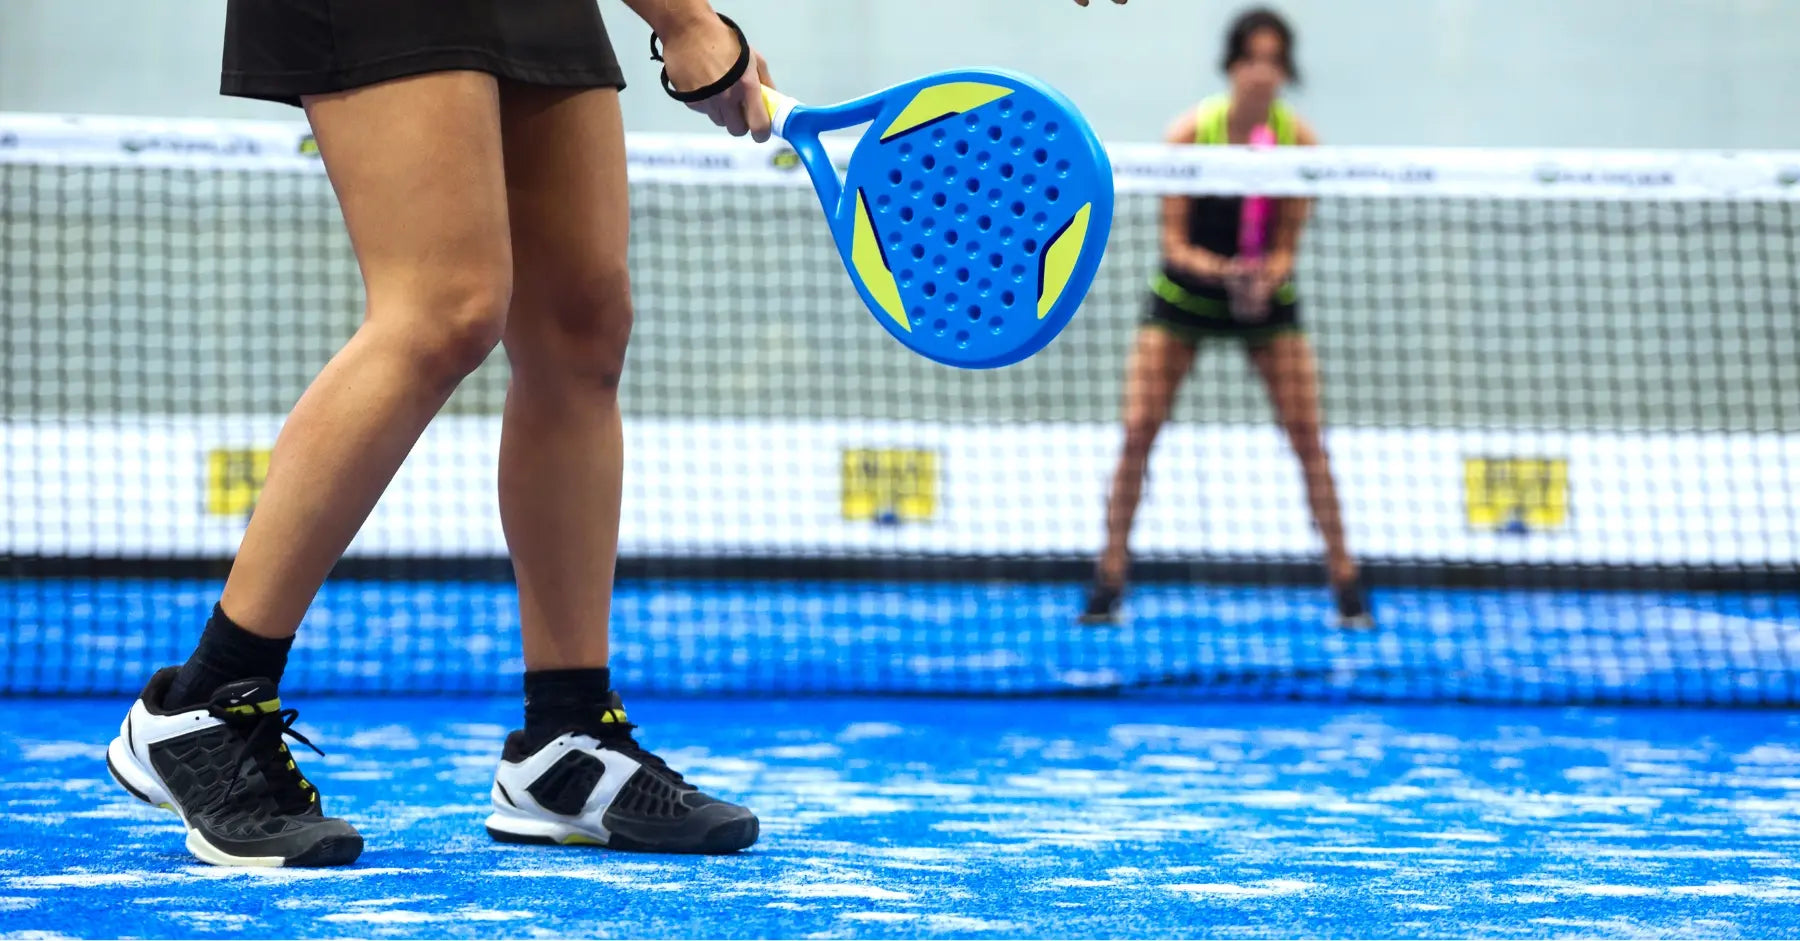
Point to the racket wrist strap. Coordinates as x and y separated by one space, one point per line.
701 94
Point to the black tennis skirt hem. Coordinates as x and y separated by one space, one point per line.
288 87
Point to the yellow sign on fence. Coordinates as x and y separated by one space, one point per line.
890 485
234 480
1516 494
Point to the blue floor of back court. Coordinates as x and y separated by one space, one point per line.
74 636
933 817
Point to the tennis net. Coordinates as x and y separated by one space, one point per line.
1562 394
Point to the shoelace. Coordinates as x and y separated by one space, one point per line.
617 736
260 745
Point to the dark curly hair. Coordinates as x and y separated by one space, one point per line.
1249 23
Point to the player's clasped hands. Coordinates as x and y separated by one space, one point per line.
1249 285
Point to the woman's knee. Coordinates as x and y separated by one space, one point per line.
1307 440
1141 429
451 323
573 335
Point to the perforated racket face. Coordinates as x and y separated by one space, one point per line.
990 202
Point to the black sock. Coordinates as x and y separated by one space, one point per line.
226 653
557 700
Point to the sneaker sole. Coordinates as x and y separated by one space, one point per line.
723 839
143 784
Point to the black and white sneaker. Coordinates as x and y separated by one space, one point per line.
1103 603
597 786
223 767
1353 612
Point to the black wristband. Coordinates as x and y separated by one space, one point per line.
701 94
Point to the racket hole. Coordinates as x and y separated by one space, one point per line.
962 338
917 186
1062 168
1006 106
939 262
962 276
1029 117
940 325
950 301
962 148
994 197
949 173
906 214
918 253
883 202
962 210
1040 155
930 289
1006 171
1030 180
905 151
1051 130
1018 272
981 159
940 200
994 134
1006 235
1043 221
1030 246
974 313
972 121
996 261
984 286
995 324
894 177
938 135
984 223
906 277
1017 144
918 316
1006 300
1053 194
929 163
1018 210
894 241
974 186
950 237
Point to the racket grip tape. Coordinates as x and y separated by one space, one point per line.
781 107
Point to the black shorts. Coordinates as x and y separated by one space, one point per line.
278 50
1196 316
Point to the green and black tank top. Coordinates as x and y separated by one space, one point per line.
1213 221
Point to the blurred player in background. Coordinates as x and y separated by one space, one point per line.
1227 274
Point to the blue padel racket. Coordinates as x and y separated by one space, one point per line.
973 214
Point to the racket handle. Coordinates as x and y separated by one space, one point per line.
781 107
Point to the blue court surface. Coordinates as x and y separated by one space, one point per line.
1173 798
750 637
924 818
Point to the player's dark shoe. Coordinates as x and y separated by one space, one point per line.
597 786
1103 603
223 767
1353 612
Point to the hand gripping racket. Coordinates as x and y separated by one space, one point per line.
973 214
